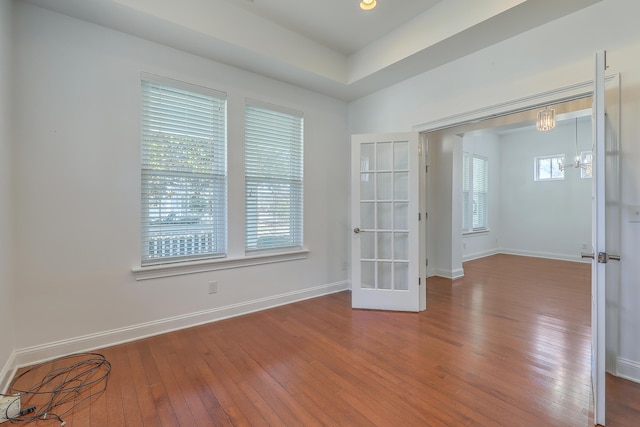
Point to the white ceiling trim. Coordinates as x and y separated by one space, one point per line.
222 31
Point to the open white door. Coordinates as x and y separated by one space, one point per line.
385 218
598 235
605 221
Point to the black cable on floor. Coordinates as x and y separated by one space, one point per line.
66 386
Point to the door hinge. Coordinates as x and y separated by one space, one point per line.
419 216
426 169
419 283
426 262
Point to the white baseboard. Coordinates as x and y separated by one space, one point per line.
7 372
457 273
36 354
548 255
478 255
628 369
447 274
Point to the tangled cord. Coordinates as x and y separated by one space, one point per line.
64 387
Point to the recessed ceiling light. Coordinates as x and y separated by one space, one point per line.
367 4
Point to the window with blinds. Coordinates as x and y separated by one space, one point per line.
466 186
184 172
273 177
475 190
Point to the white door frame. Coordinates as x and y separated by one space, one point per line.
567 93
564 94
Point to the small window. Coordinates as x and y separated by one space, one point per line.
549 168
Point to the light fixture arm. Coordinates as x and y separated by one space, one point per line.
577 163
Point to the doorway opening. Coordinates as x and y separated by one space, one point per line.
485 196
448 151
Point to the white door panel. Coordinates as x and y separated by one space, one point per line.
605 233
385 240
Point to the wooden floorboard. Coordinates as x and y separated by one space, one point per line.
507 345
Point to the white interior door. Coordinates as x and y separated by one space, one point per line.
605 233
385 219
598 343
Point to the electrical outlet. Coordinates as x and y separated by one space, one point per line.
213 287
9 407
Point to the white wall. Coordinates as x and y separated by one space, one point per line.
7 320
443 204
550 219
477 245
77 185
525 217
555 55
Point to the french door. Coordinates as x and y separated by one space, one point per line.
385 222
605 211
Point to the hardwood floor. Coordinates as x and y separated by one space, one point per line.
508 344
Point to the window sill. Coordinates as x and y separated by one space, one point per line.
476 233
177 269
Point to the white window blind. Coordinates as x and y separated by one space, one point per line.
466 188
273 177
184 172
480 191
475 190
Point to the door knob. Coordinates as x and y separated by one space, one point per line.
356 230
602 258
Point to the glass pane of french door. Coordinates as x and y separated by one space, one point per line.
384 215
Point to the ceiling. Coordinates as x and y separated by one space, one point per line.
327 46
338 24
